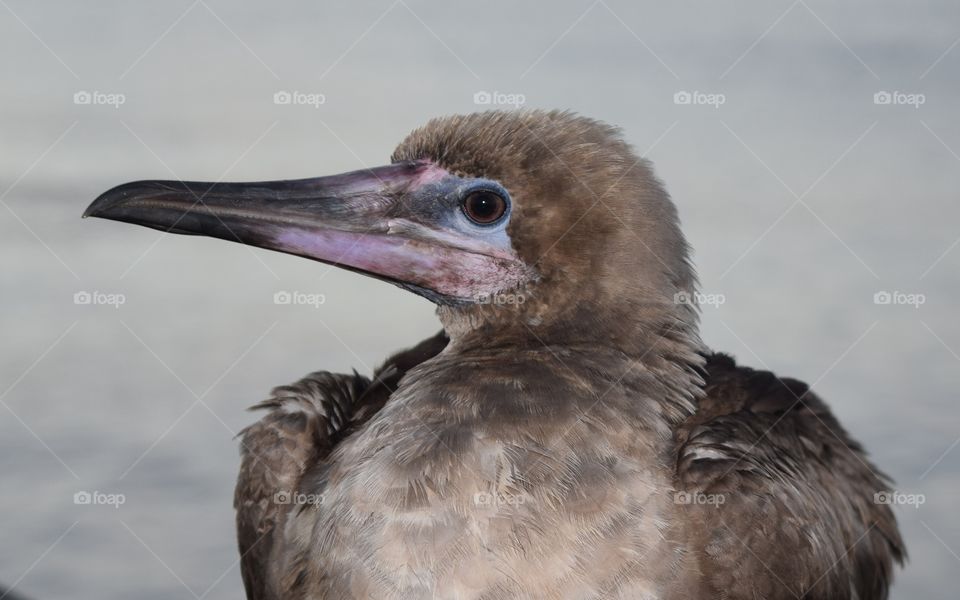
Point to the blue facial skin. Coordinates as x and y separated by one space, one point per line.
439 205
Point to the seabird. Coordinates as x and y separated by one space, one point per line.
567 434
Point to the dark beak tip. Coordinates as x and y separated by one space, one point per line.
115 197
98 206
93 209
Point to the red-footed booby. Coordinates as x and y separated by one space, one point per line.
567 434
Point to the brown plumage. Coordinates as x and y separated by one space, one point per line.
571 438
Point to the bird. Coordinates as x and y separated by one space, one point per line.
567 434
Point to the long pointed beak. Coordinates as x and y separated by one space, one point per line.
349 220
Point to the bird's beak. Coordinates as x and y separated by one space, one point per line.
349 220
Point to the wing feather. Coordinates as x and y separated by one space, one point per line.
798 517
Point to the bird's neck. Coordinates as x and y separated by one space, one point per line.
666 344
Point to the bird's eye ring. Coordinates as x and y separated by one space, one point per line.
484 207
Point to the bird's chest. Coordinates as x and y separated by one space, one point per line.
487 504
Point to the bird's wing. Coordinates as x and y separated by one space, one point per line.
305 422
781 501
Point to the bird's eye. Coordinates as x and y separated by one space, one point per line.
484 207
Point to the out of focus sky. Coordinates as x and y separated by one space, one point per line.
813 149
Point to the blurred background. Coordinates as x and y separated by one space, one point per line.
811 146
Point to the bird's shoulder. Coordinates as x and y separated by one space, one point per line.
792 492
753 421
303 423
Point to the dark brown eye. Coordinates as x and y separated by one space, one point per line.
484 207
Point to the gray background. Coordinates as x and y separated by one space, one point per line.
802 197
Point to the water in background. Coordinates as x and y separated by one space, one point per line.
804 189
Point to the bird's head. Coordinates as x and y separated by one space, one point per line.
527 224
